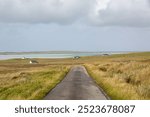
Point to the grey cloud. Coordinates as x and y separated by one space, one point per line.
96 12
42 11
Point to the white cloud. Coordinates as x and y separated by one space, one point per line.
97 12
121 12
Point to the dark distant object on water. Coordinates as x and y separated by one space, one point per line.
33 62
105 54
76 57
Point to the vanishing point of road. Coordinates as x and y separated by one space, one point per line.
77 85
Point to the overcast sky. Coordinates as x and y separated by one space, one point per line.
82 25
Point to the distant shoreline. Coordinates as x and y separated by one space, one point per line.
63 52
52 55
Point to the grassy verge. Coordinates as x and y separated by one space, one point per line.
29 81
123 76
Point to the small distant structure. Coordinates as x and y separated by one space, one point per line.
33 62
23 57
76 57
105 54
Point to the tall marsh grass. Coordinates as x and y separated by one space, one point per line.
122 79
29 81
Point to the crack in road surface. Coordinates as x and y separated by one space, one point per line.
77 85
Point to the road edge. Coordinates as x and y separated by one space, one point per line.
100 88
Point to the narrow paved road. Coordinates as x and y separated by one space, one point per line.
77 85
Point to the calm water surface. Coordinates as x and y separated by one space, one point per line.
3 57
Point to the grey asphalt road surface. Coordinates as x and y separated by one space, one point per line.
77 85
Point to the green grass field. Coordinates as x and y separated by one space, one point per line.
20 80
124 76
